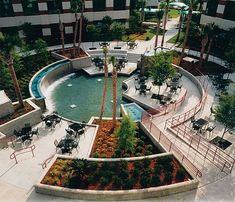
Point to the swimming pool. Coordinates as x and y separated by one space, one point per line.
79 97
133 110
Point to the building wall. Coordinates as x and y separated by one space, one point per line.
219 17
46 20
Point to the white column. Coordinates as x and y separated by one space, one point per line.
68 29
109 3
42 6
220 9
66 5
88 4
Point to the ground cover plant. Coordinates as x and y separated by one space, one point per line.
130 142
118 175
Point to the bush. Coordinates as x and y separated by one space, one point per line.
156 181
147 38
158 168
104 182
92 179
123 164
96 155
92 166
147 171
149 147
137 165
117 181
143 137
180 174
168 177
166 162
103 156
74 182
145 180
118 153
146 162
138 154
126 155
136 173
148 153
139 149
141 143
128 184
124 174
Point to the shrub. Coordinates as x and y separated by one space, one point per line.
92 179
148 153
124 174
168 177
149 147
123 164
145 180
129 183
93 166
138 154
147 171
158 168
143 137
141 143
117 181
138 149
137 165
103 156
136 173
118 153
168 167
104 182
180 174
165 160
146 162
147 38
96 155
126 155
156 181
73 182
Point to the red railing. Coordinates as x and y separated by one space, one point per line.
44 165
209 151
22 151
168 145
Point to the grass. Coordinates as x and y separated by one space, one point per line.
147 35
180 41
174 13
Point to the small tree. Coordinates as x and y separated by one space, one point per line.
230 60
105 25
160 68
134 24
165 20
93 31
204 41
126 134
117 30
225 113
159 15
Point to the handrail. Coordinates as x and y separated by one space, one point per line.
168 145
7 139
44 165
21 151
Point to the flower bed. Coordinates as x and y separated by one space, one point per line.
115 175
106 144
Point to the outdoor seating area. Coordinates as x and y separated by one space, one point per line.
131 44
51 120
104 44
71 140
99 62
141 86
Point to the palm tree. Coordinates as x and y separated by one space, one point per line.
77 6
142 16
204 41
114 79
80 26
61 27
7 47
180 23
105 51
159 15
165 20
213 31
189 17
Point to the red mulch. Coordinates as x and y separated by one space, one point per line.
68 53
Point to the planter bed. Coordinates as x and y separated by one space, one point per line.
115 175
105 144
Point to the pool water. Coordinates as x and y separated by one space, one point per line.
79 97
134 111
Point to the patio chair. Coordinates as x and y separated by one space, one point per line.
69 132
34 132
136 88
148 89
180 86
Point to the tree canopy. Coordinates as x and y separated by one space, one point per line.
117 29
225 112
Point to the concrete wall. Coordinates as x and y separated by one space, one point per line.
118 195
32 118
80 63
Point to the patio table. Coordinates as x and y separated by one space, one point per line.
198 124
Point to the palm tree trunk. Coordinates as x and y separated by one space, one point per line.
80 28
159 87
114 78
164 25
208 49
61 27
225 130
157 33
105 87
141 18
204 42
187 31
75 35
179 30
15 82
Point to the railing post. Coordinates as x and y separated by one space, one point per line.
215 154
170 147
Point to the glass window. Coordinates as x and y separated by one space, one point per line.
6 9
30 7
119 5
99 5
54 6
212 7
229 12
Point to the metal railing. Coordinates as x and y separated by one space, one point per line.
44 165
211 152
22 151
168 145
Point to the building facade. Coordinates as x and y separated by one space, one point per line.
220 12
43 15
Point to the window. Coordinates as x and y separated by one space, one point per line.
6 9
119 5
54 6
55 33
212 7
229 13
99 5
10 30
30 7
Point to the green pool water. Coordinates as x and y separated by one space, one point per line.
85 92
